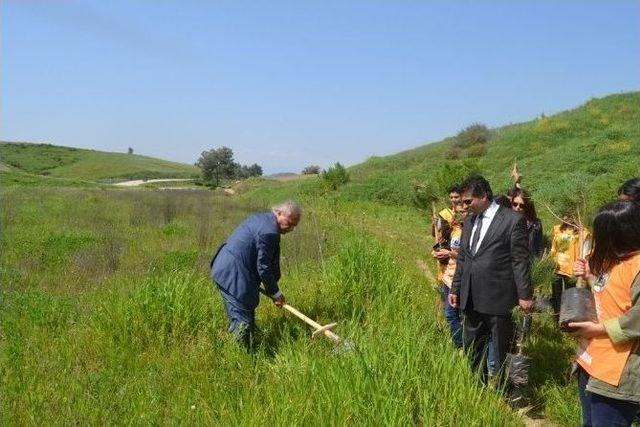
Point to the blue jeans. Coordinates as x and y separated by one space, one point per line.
452 316
491 358
241 319
601 411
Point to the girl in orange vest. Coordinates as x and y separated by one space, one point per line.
609 350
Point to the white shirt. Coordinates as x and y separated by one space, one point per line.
487 217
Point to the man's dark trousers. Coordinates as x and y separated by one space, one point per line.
241 319
478 328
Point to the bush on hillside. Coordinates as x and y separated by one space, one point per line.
435 188
453 153
473 134
454 173
424 193
335 176
476 150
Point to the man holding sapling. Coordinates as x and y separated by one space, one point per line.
251 255
492 275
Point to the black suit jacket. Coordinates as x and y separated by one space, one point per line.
492 280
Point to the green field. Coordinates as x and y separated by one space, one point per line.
109 317
89 165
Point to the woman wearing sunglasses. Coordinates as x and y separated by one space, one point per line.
521 202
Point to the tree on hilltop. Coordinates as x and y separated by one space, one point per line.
218 163
248 171
311 170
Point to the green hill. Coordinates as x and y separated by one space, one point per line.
79 164
586 152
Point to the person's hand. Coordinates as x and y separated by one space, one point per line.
526 305
441 254
586 329
279 302
453 300
581 269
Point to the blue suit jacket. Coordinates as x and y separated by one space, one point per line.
249 256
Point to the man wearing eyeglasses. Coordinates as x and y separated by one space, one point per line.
493 273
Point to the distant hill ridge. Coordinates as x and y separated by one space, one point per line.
82 164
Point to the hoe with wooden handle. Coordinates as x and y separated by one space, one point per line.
318 328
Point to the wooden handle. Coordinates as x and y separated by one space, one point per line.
315 325
581 283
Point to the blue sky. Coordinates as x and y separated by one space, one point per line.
289 84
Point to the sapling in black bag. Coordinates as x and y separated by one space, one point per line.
518 367
577 305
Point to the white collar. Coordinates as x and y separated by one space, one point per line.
490 212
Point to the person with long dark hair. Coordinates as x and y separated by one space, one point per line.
522 203
630 190
609 351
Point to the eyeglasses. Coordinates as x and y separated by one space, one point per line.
467 202
518 205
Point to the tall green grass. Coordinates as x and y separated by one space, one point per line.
109 317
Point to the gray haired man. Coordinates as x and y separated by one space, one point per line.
251 255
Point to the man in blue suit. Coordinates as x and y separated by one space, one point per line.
249 256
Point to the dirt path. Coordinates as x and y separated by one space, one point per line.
536 422
136 182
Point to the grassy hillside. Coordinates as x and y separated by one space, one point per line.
589 150
76 163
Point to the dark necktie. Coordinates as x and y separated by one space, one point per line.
476 235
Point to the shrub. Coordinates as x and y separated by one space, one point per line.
424 194
452 173
542 274
476 150
473 134
453 153
335 176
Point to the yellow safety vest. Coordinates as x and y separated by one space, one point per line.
565 248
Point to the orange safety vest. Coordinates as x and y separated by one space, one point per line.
599 356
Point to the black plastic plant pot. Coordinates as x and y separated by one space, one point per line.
577 305
518 368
